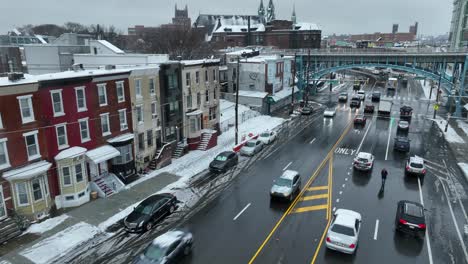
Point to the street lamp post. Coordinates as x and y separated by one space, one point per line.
293 84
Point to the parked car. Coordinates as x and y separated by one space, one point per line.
369 109
330 112
360 120
403 125
376 96
364 161
343 233
224 161
252 147
287 185
410 218
343 97
167 248
402 144
149 212
307 110
415 165
355 102
361 95
267 137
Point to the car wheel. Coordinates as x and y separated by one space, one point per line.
148 226
187 250
171 209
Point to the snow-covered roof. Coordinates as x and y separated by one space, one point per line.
306 26
364 155
167 238
102 153
240 28
28 79
110 46
289 174
255 94
121 138
27 172
199 62
286 92
70 153
193 113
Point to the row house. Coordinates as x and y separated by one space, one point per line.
201 91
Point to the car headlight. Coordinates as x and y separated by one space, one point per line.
140 224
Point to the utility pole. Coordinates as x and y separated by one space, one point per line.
293 83
437 96
237 100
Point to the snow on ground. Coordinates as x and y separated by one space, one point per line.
427 90
59 244
227 110
464 168
451 135
463 125
47 224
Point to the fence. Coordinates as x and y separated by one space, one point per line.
244 116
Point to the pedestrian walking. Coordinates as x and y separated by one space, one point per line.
384 174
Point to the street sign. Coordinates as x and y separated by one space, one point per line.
436 107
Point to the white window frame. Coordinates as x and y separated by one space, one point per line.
40 189
82 172
85 107
123 125
138 92
59 92
197 77
86 139
188 80
31 109
154 111
106 116
1 121
69 175
64 125
3 143
152 88
17 193
139 111
104 88
121 85
32 133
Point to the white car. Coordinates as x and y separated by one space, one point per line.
287 185
267 137
364 161
343 233
415 165
330 112
361 95
252 147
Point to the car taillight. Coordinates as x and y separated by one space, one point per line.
368 164
352 246
328 239
403 222
407 167
422 226
424 171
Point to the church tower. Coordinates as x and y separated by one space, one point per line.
261 11
293 17
270 12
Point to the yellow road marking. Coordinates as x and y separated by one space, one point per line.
320 244
316 188
310 208
315 197
293 204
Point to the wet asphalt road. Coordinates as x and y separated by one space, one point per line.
243 225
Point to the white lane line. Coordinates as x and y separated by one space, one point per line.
376 231
289 164
346 179
312 141
245 208
334 209
267 156
389 134
343 185
457 193
338 200
362 141
428 242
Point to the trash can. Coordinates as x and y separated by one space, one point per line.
94 195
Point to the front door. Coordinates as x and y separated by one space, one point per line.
3 213
103 168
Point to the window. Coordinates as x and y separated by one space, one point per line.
172 79
138 88
31 145
80 99
81 194
139 113
120 91
84 130
57 102
62 139
37 189
102 94
141 141
105 126
69 198
149 138
79 172
213 113
125 155
187 79
189 101
123 119
214 74
66 176
198 99
154 113
4 160
207 96
152 88
214 94
22 193
26 108
206 75
197 77
193 125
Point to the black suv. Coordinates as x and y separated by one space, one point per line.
355 102
402 144
410 218
376 97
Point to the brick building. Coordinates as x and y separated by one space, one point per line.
388 37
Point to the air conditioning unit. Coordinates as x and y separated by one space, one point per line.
15 76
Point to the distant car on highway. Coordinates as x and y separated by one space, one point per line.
167 248
361 95
402 144
343 233
360 120
286 186
307 110
330 112
369 109
252 147
364 161
403 125
376 96
267 137
224 161
355 102
149 212
415 165
410 218
343 97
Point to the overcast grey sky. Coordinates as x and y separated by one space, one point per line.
333 16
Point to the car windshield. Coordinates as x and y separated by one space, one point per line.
403 123
343 94
143 209
363 160
155 252
413 210
417 165
283 182
265 135
221 158
250 144
343 230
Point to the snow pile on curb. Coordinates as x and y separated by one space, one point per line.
464 168
59 244
451 135
427 90
463 125
46 225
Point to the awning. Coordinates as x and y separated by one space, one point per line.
28 172
121 138
103 153
193 113
70 153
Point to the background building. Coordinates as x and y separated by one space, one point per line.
394 37
458 36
